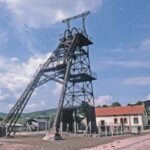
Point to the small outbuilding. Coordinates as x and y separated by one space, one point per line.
37 124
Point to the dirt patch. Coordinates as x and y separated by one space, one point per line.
70 142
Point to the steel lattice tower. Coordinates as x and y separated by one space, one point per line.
68 65
79 87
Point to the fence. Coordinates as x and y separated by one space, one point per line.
118 130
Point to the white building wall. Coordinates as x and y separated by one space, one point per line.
140 120
109 120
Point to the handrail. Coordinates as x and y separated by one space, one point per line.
62 37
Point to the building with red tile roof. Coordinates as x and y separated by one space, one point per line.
121 116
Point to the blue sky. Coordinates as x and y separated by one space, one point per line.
29 32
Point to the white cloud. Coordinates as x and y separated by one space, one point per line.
145 45
35 106
141 46
32 106
123 48
3 96
14 59
131 64
15 75
141 49
101 100
143 81
3 37
57 89
148 97
10 106
29 107
38 13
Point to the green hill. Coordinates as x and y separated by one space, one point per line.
44 114
40 114
2 114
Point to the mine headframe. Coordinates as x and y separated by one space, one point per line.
77 88
68 65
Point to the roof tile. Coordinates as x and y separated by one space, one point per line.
123 110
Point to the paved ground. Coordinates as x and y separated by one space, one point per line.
71 142
138 143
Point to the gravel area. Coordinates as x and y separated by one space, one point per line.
70 142
138 143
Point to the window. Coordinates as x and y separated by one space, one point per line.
125 120
121 121
135 120
102 122
115 121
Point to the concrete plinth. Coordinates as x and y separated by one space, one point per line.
52 136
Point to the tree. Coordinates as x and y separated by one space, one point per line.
130 104
138 103
104 105
98 106
1 119
114 104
